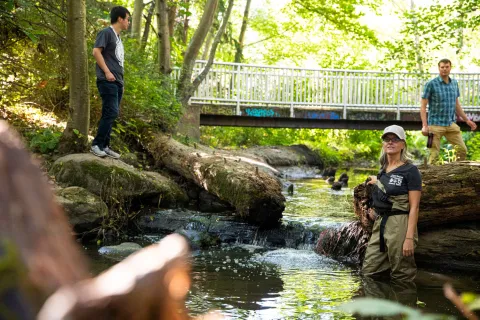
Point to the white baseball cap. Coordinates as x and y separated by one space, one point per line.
396 130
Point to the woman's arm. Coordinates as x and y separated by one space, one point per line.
414 201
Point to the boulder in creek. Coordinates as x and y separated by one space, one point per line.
281 156
109 178
120 251
84 210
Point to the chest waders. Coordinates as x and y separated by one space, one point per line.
400 205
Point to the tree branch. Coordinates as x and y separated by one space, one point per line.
216 41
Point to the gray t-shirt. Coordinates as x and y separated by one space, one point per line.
112 53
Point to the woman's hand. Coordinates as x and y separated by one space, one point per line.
408 247
372 180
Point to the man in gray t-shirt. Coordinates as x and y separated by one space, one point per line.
109 55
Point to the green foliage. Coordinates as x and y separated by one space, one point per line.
432 30
148 94
379 307
472 300
295 34
344 15
334 146
472 141
45 141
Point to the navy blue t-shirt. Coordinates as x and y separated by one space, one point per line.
399 181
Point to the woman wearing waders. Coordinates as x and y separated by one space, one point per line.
395 198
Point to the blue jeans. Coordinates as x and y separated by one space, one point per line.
111 93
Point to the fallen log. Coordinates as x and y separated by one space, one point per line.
449 236
255 195
455 248
450 194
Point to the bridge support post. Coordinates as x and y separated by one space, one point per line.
344 93
237 86
189 123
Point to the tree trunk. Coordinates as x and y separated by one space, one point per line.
256 195
215 44
172 15
76 133
418 53
449 231
137 19
185 24
148 23
208 43
185 91
164 46
241 37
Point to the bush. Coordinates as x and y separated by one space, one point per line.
44 140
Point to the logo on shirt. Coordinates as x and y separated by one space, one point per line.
395 180
119 52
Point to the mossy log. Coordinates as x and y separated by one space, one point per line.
255 195
449 232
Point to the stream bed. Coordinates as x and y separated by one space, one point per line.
249 280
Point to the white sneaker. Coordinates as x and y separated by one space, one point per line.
110 153
98 152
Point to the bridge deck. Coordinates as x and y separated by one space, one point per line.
317 97
239 121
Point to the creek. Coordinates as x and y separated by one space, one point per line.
253 279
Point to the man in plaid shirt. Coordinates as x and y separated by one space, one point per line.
441 94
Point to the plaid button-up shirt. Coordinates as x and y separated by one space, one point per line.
442 98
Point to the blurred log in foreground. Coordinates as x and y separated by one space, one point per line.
150 284
40 263
33 227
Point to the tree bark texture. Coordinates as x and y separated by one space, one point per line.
172 15
137 19
216 41
148 23
185 85
448 222
78 66
241 37
185 23
164 46
256 195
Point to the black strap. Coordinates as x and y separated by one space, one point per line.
385 216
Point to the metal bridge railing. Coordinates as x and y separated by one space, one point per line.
253 85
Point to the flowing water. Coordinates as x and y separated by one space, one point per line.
247 281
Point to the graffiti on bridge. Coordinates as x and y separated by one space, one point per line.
260 112
323 115
372 116
475 117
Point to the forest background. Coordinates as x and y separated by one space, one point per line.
37 39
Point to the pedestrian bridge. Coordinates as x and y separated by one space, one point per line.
235 94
